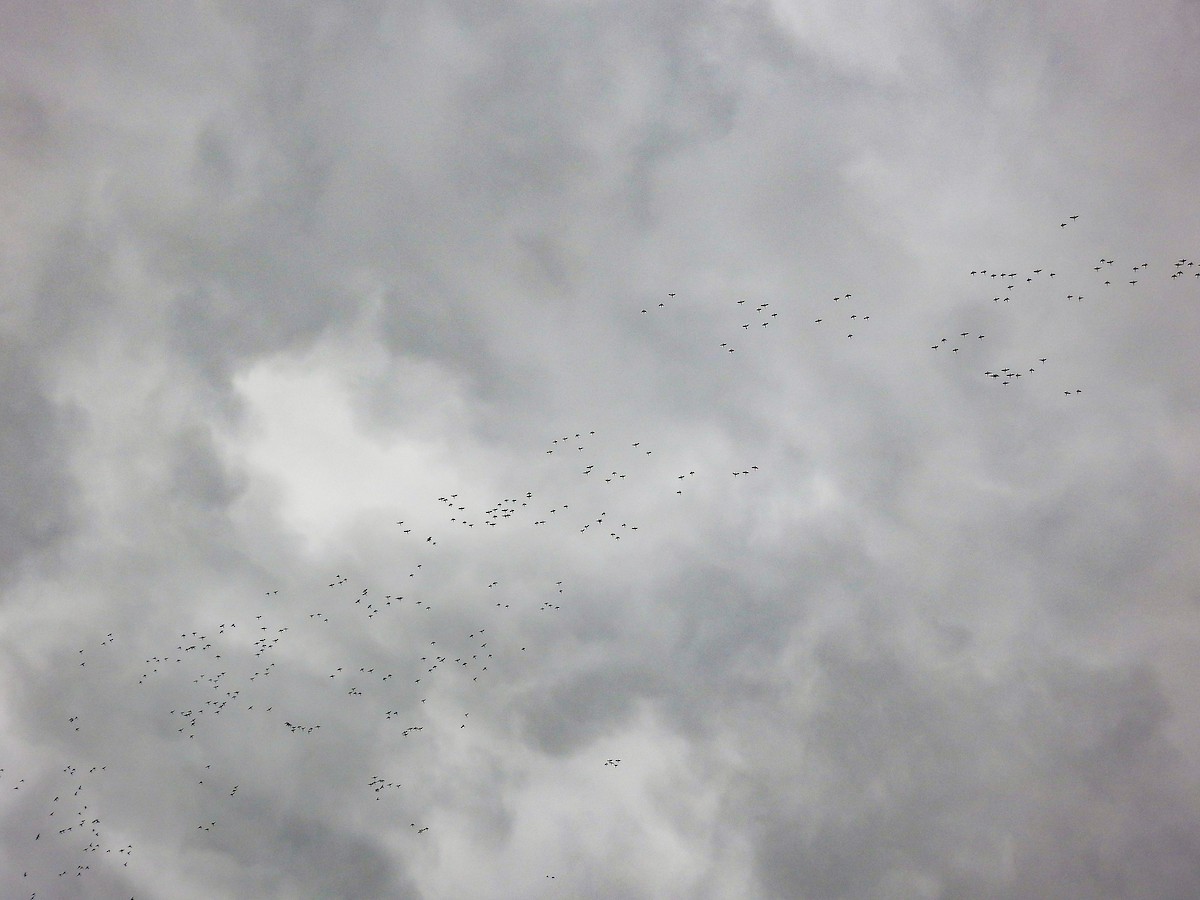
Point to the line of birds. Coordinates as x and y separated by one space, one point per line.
1011 280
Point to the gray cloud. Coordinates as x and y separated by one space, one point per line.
278 279
38 513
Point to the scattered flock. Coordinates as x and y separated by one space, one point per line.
222 678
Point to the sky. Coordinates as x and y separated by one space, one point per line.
709 449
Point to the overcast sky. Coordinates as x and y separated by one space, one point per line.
791 409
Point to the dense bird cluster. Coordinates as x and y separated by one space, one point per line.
220 680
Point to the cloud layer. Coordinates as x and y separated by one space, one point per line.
553 450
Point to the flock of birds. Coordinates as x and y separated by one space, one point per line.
238 675
1032 286
221 677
